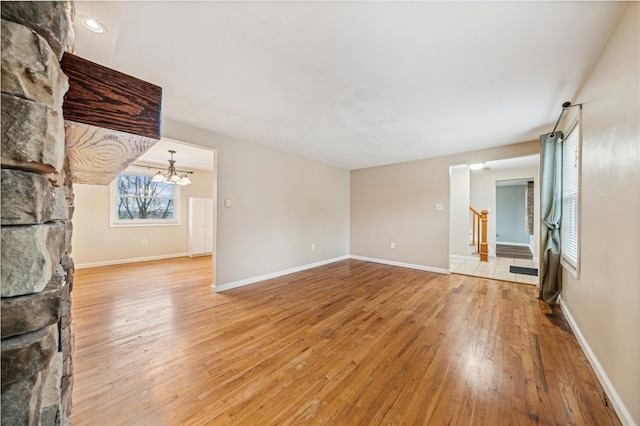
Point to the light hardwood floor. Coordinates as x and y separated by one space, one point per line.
350 343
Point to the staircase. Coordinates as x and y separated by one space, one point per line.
479 233
513 252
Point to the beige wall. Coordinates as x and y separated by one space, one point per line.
95 242
280 205
605 300
396 203
483 196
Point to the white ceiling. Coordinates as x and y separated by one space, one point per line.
519 163
357 84
188 157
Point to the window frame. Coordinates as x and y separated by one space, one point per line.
115 222
575 125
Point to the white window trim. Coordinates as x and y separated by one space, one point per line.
114 222
575 123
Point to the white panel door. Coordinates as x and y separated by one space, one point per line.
200 226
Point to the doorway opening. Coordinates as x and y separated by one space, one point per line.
478 189
515 206
138 241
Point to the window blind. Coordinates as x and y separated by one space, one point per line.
570 190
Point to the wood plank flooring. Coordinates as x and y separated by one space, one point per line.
350 343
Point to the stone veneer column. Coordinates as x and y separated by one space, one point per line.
36 210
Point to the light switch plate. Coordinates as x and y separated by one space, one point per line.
439 206
227 202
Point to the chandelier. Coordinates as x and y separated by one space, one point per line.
172 176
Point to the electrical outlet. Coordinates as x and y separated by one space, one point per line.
313 246
145 242
393 245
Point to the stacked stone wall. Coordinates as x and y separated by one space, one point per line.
36 209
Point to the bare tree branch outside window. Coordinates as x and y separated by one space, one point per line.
140 198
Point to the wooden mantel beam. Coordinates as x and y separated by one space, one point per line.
111 119
109 99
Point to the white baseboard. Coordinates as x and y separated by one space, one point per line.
132 260
402 264
614 398
209 253
253 280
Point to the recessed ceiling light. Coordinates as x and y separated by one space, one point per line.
94 25
476 166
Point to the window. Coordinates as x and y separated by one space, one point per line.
137 201
570 198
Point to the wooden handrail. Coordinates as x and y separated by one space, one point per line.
479 235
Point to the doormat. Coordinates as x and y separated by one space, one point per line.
524 271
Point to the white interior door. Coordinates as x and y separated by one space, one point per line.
200 226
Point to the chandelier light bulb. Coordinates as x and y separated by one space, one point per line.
184 180
158 177
172 176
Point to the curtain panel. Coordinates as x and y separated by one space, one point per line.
551 215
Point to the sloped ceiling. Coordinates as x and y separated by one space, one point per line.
357 84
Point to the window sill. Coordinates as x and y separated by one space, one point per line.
143 224
574 271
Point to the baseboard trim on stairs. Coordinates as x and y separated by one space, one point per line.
513 244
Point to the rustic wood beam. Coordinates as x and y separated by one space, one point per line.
110 118
96 156
106 98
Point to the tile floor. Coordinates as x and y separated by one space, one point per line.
496 267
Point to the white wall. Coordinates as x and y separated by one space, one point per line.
459 198
280 205
96 243
605 301
483 196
